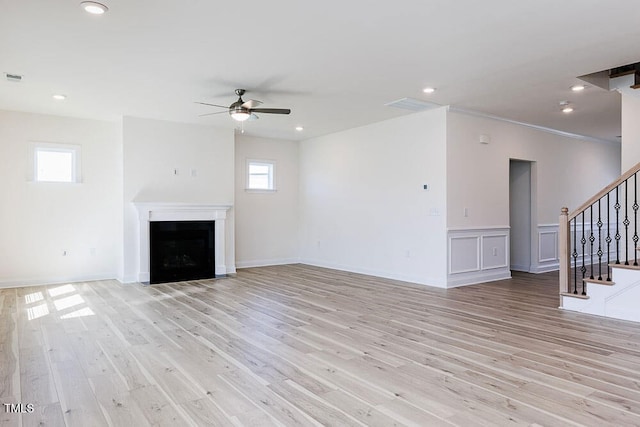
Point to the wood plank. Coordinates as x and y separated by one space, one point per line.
9 357
47 415
115 401
77 401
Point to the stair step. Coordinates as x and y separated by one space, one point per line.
599 282
569 294
626 267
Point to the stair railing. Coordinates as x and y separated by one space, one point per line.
587 249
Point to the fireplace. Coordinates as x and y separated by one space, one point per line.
181 250
150 213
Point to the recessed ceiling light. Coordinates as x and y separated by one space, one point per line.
429 89
566 107
93 7
59 97
299 128
578 88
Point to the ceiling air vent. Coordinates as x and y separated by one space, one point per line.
17 78
412 104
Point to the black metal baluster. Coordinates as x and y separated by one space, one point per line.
574 254
626 222
617 236
583 269
591 239
635 219
599 242
608 239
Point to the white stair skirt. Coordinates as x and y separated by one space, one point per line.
618 301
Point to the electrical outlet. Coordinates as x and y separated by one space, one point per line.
65 252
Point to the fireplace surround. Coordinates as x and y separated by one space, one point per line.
151 212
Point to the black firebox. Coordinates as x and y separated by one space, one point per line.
181 250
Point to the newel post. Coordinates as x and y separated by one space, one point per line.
563 251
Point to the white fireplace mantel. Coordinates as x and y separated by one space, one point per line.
149 211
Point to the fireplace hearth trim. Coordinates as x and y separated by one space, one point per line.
148 212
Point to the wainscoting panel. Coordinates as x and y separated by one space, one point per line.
464 254
548 246
478 255
494 251
547 259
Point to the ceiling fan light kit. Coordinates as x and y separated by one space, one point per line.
239 116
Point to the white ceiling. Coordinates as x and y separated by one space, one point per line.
334 63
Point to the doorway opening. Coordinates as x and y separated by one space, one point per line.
521 214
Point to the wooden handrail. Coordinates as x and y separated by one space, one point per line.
628 174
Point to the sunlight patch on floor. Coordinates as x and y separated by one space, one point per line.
37 311
61 290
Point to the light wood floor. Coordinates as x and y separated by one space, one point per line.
299 345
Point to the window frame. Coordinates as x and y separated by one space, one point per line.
73 149
271 176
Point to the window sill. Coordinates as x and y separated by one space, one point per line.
33 181
256 190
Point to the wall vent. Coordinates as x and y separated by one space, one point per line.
412 104
17 78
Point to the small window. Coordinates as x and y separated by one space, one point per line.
56 163
261 175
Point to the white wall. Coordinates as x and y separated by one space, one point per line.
566 172
630 129
152 150
266 222
362 203
38 221
569 170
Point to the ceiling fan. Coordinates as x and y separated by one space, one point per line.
245 110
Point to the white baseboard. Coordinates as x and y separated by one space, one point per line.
524 268
437 283
476 277
265 262
127 279
24 283
545 268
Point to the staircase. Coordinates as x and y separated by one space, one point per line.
599 258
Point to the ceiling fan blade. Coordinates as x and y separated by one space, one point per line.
212 105
211 114
250 104
271 110
253 117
